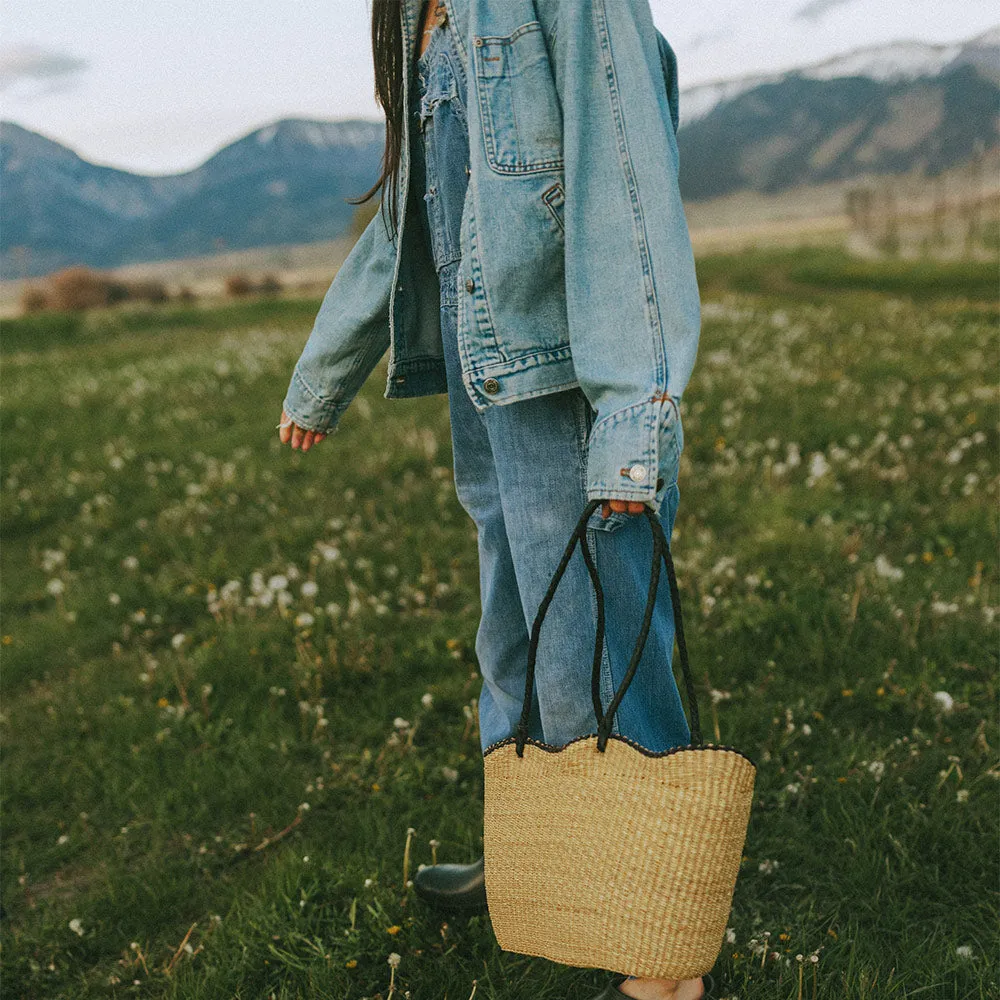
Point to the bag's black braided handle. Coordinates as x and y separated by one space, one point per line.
661 549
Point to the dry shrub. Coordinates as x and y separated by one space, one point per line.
186 295
270 284
238 285
34 299
118 291
77 288
148 291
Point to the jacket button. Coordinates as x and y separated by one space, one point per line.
637 473
469 285
491 385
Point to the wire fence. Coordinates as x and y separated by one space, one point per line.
955 214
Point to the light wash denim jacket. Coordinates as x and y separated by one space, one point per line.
577 266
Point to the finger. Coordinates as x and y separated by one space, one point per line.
635 507
307 440
619 505
296 435
284 433
605 509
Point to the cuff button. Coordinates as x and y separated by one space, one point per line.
637 473
491 385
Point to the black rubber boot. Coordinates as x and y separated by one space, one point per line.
454 888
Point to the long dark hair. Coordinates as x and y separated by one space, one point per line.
387 51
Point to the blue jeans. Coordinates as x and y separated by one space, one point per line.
520 474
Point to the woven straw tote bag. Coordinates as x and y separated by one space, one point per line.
602 853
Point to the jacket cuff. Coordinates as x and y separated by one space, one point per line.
309 410
634 453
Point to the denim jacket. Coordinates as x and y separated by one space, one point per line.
577 267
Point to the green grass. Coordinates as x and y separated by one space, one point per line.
163 722
799 273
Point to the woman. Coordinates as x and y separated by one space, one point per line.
563 337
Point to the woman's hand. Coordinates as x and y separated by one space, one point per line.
288 430
620 506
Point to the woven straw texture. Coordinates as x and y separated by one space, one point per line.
622 860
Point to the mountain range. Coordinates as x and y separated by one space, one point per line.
881 110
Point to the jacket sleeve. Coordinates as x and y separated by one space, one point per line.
632 295
349 336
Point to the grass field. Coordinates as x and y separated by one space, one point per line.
235 676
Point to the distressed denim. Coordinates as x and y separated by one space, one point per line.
520 473
575 267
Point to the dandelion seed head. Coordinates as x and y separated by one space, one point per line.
944 700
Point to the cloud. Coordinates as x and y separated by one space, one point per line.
33 70
816 9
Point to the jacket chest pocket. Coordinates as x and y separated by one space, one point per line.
518 105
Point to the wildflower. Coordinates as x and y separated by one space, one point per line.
309 589
963 951
400 723
394 929
277 582
885 569
818 467
944 700
64 839
114 599
368 883
76 926
394 960
304 619
52 559
962 795
877 768
178 640
427 700
449 773
944 607
351 963
55 586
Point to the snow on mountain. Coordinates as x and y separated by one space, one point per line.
904 60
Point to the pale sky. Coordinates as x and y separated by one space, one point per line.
158 87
